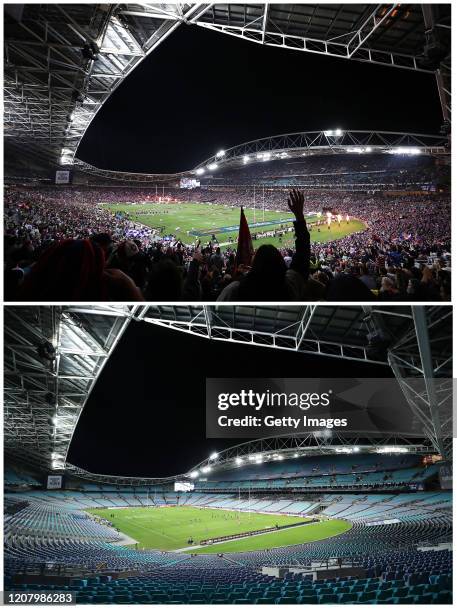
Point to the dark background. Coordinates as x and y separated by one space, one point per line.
202 91
146 414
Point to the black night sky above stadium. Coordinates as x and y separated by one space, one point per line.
201 91
146 414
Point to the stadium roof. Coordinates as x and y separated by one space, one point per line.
272 449
290 146
54 355
63 61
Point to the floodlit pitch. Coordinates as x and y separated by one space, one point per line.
172 528
187 220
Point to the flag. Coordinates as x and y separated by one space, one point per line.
245 250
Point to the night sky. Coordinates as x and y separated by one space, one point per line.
201 91
146 414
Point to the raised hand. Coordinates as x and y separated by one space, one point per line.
296 201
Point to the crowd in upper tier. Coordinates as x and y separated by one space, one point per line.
60 244
349 170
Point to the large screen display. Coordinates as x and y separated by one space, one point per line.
189 183
62 177
184 486
54 482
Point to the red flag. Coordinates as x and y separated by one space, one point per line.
245 250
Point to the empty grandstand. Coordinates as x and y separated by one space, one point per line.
316 517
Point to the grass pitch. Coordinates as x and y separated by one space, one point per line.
169 528
179 218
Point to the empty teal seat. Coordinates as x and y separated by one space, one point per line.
326 591
368 596
286 600
387 594
330 598
308 599
401 592
444 597
348 597
120 599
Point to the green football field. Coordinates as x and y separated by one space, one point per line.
169 528
187 219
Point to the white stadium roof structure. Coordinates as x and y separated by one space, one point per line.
289 146
54 355
63 61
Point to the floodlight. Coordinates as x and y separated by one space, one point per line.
200 170
246 159
214 456
206 469
212 166
368 149
391 449
220 153
258 461
266 156
406 151
356 449
194 474
259 155
295 455
238 461
337 132
280 457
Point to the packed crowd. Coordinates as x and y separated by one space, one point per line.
349 169
60 244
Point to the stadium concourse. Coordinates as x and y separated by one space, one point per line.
63 244
396 548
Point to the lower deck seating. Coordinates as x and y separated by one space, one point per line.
230 585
